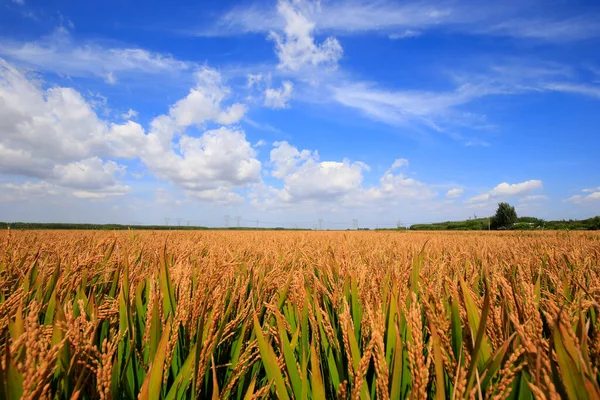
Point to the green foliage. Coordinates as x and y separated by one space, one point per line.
505 216
521 223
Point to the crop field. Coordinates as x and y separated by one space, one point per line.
306 315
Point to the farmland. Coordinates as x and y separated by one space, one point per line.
250 315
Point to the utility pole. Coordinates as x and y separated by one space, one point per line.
238 221
320 224
257 224
355 223
227 218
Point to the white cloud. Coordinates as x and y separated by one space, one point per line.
53 134
219 158
60 53
110 78
533 198
129 114
260 143
278 98
582 89
103 193
408 33
219 195
508 190
398 107
578 199
591 190
555 30
395 188
517 189
323 180
203 103
454 193
398 163
593 196
296 47
307 179
19 2
361 16
90 173
481 198
285 158
12 192
34 191
254 80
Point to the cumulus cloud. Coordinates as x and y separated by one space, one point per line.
454 193
285 158
581 199
307 178
54 135
517 189
508 190
278 98
219 158
90 173
395 188
296 46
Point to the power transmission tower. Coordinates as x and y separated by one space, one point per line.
238 221
257 223
320 224
167 221
399 224
179 221
227 218
355 223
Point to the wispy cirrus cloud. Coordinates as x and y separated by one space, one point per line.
60 53
444 110
397 18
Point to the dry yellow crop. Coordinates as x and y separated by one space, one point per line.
243 315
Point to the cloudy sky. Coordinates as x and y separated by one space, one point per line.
286 112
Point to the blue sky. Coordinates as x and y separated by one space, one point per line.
287 112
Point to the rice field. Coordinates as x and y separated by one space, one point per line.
303 315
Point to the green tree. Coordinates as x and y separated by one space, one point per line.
505 216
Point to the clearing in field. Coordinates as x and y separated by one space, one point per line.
306 315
